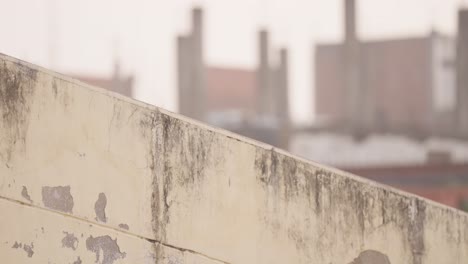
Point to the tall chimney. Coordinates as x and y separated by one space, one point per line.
282 99
350 20
183 75
197 65
264 96
462 73
354 95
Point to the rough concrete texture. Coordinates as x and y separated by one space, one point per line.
172 190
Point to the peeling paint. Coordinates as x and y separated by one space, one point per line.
109 248
17 245
25 194
78 261
371 257
58 198
27 248
124 226
100 208
69 241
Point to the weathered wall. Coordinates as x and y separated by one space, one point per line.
90 176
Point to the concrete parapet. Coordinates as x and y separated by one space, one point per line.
87 176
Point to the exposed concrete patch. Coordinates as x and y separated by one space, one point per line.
27 248
78 261
124 226
109 248
371 257
100 208
25 194
58 198
17 245
69 241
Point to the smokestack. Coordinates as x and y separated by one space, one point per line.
354 94
197 66
183 75
462 70
350 20
264 100
282 99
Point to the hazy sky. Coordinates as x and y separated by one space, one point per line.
86 35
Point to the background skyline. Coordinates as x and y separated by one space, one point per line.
86 36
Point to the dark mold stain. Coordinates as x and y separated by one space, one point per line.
78 261
69 241
267 164
124 226
109 248
27 248
16 91
322 180
24 193
193 147
371 257
54 87
58 198
100 208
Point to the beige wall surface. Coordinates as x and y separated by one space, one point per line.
162 188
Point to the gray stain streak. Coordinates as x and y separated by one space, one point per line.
70 241
58 198
109 248
100 208
25 194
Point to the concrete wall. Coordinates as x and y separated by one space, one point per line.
90 176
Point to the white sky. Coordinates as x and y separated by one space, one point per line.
86 35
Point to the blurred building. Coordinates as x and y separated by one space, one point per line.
115 83
407 85
394 110
253 103
404 98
